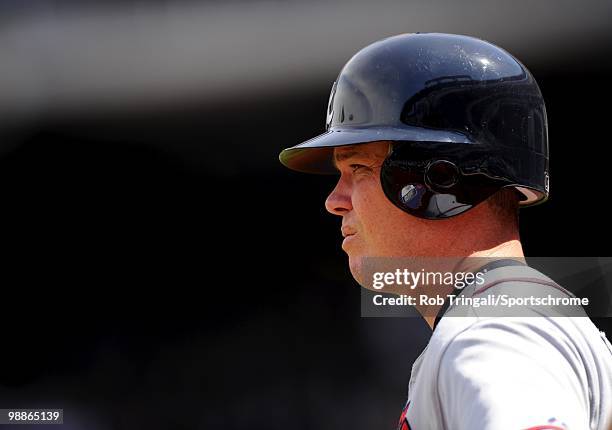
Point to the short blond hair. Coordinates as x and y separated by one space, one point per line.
505 203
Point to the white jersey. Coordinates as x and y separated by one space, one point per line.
497 373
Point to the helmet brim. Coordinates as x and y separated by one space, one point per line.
316 155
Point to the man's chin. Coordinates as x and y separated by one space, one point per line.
356 267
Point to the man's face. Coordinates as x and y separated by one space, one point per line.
371 225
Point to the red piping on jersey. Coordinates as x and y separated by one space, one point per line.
546 427
403 421
531 280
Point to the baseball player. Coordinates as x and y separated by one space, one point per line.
438 139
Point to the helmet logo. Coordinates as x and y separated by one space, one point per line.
330 106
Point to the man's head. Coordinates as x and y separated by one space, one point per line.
372 226
438 139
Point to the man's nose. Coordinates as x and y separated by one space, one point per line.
339 200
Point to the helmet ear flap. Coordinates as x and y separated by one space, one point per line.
432 189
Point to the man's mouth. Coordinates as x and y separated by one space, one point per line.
349 234
347 231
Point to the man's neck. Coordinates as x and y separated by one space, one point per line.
510 249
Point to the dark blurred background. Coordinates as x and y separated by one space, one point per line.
163 271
